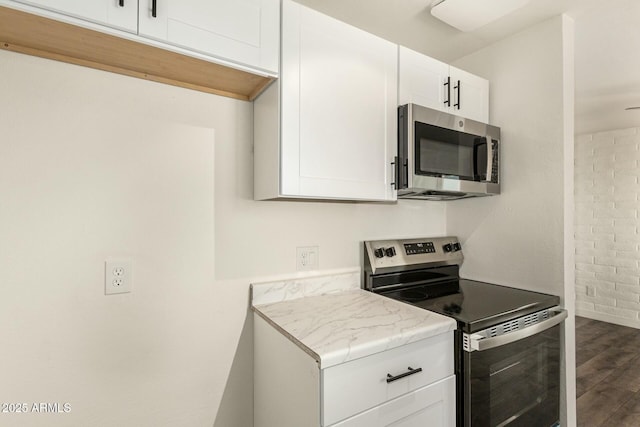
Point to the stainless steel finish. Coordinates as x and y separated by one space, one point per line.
526 327
438 188
401 259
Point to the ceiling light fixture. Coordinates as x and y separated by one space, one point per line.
468 15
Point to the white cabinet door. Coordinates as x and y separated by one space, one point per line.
421 80
434 84
432 406
121 14
243 31
354 386
470 95
338 109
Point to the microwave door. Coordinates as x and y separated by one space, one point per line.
445 153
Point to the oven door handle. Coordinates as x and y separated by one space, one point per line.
480 343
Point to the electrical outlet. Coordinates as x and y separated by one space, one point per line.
591 291
307 258
118 277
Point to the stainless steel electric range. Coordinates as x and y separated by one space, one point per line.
507 340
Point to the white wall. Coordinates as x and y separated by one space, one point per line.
606 231
523 237
94 165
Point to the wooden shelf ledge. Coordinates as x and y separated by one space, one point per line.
38 36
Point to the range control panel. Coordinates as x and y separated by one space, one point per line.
419 248
405 252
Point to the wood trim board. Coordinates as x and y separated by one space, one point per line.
47 38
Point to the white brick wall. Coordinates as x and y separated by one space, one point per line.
607 199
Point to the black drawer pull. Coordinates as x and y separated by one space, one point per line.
121 3
411 371
154 8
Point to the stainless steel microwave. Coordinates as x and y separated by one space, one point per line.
445 157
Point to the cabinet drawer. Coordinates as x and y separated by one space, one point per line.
358 385
431 406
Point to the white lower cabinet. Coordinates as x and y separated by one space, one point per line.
291 390
434 405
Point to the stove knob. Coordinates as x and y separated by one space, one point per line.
379 253
447 248
457 247
390 251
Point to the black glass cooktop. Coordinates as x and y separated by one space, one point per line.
474 305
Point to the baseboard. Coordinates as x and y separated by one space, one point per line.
603 317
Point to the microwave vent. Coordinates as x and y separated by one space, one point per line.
435 195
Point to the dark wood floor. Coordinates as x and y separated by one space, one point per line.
608 374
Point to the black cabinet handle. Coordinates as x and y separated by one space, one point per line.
402 173
121 3
154 8
458 87
411 371
447 102
396 172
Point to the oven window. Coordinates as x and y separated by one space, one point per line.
517 384
447 153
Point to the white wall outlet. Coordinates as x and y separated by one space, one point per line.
591 291
118 277
307 258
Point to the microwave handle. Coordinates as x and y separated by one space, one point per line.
488 176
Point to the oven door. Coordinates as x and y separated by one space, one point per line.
514 381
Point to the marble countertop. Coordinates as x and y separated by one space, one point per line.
350 323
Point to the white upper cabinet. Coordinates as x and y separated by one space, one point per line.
338 112
434 84
244 31
120 14
422 80
470 95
